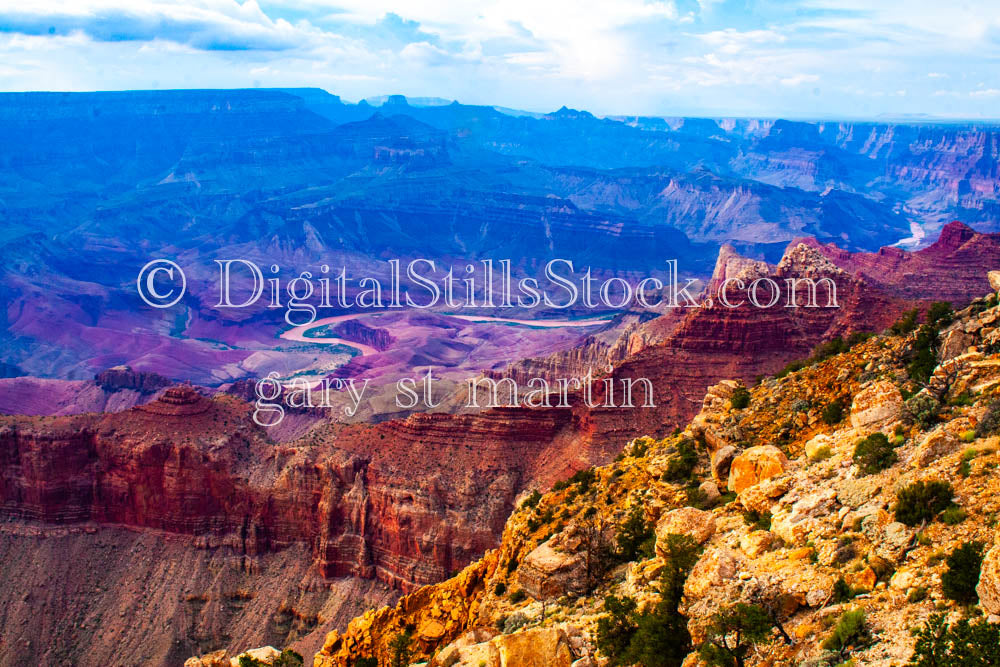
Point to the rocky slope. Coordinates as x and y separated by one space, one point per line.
92 594
807 526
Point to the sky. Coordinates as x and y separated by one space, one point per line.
800 58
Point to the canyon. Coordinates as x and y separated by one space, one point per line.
145 517
382 508
97 184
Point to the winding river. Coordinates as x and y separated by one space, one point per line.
298 333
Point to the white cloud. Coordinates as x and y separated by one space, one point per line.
731 41
798 79
846 57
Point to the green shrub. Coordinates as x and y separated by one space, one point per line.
740 398
964 563
658 637
661 638
850 633
842 591
532 500
800 405
830 348
821 454
791 367
906 323
616 628
517 596
874 453
733 632
833 413
923 354
824 351
758 520
922 409
682 465
939 314
366 662
916 595
583 479
640 446
635 536
514 622
695 497
965 467
288 658
965 398
953 516
399 649
922 501
680 553
964 644
858 337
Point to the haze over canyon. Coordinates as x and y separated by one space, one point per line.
143 511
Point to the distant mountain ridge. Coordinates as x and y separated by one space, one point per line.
92 185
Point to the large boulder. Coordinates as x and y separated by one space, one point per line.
710 490
876 405
994 278
547 572
699 524
818 444
890 539
756 543
755 465
265 654
759 497
712 570
989 581
939 442
540 647
722 460
954 343
537 647
472 649
813 513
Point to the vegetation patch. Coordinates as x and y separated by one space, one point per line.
874 454
922 501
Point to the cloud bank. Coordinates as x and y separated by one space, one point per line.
820 58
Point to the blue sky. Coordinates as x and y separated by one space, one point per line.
808 58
